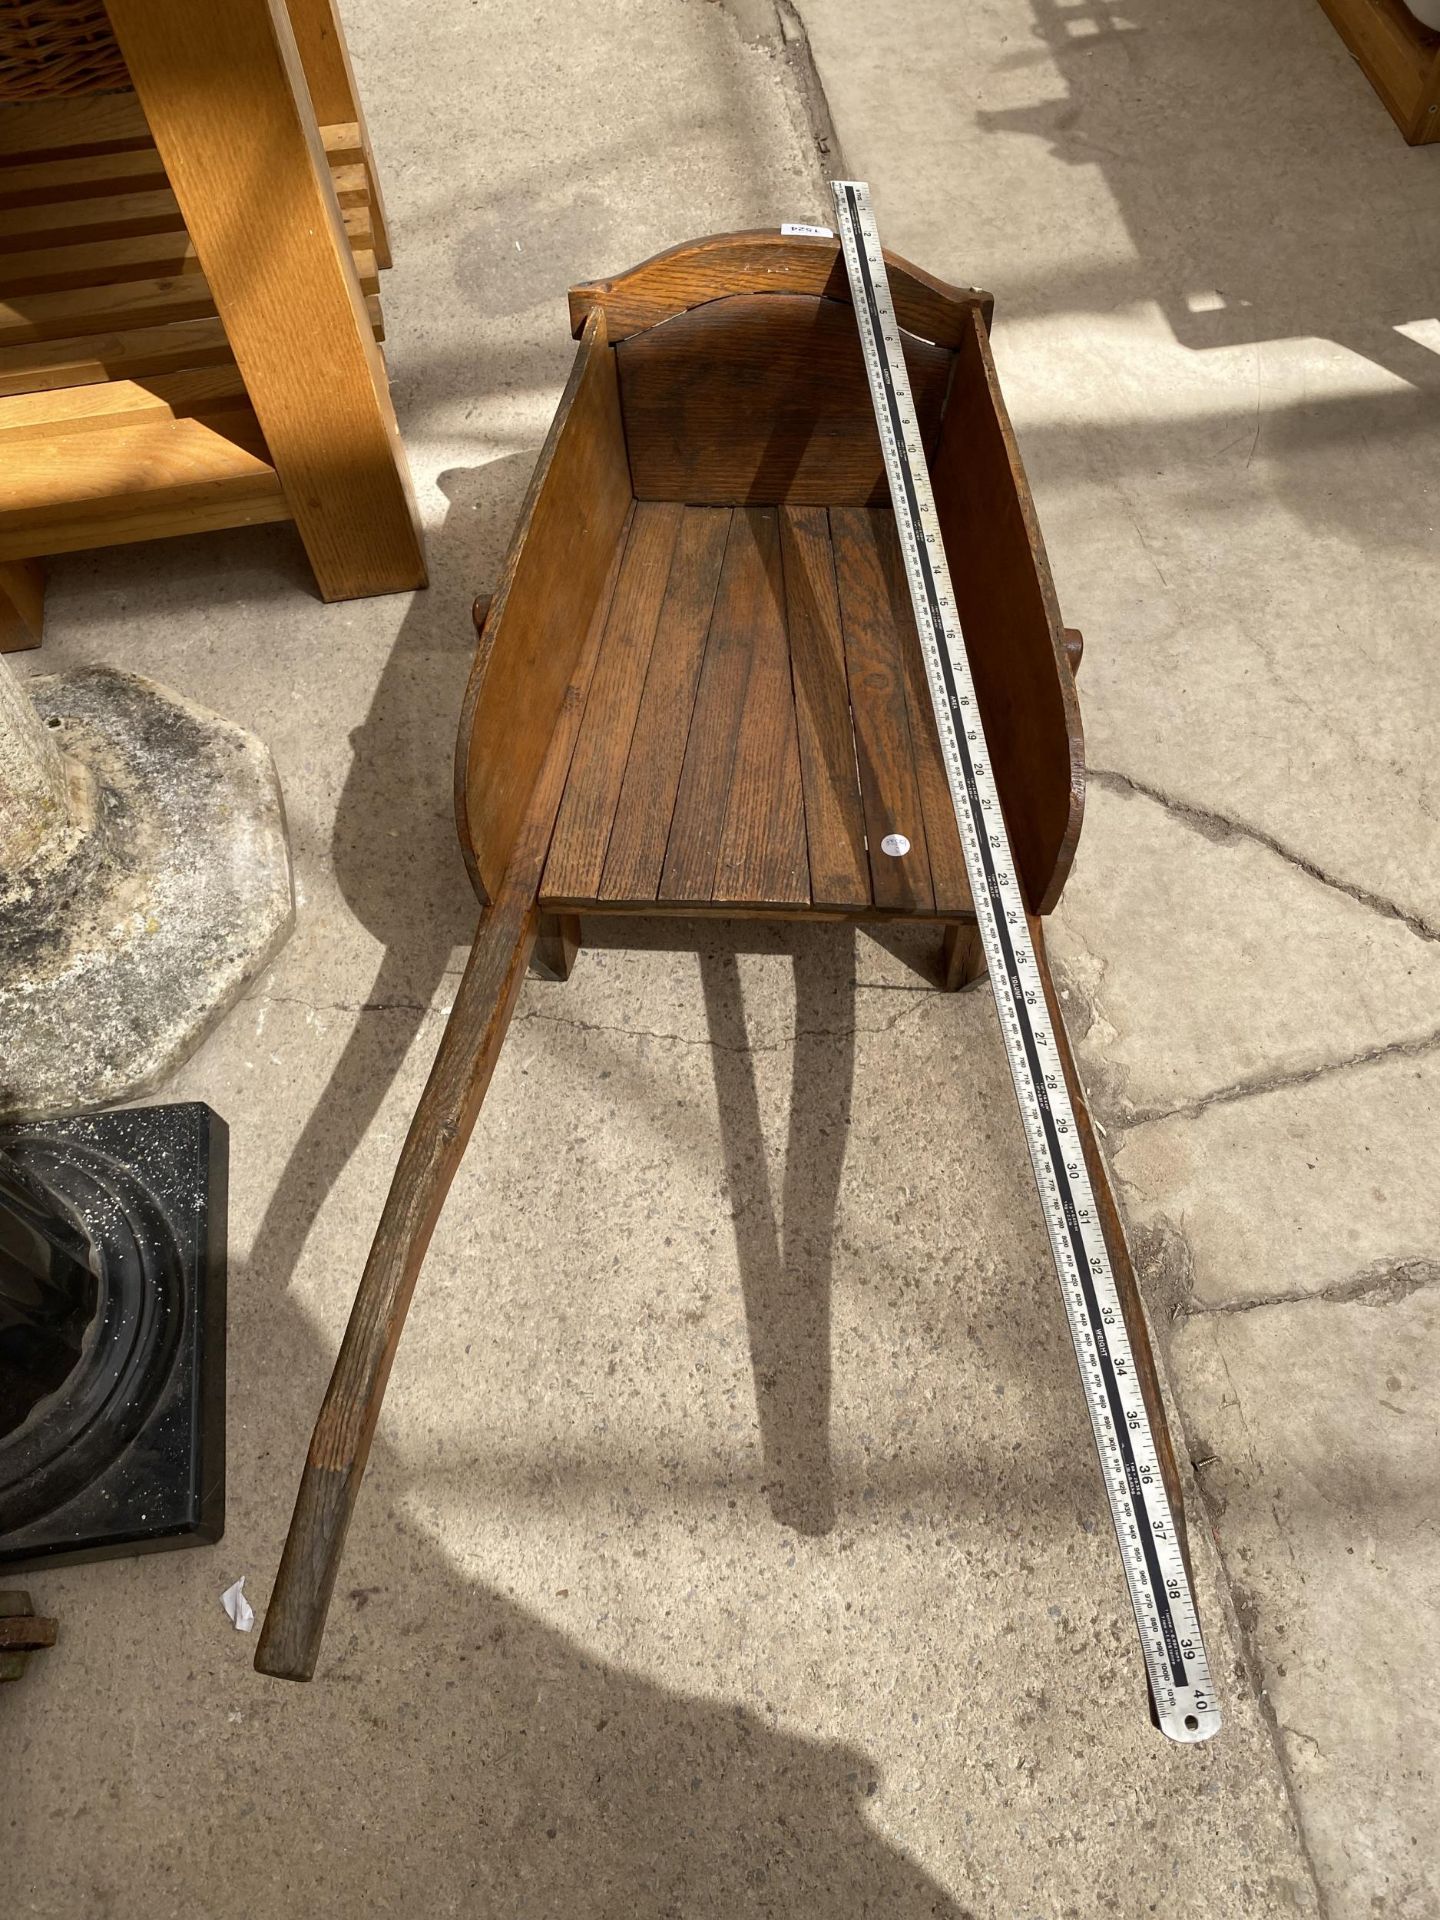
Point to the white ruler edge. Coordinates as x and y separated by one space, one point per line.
1165 1610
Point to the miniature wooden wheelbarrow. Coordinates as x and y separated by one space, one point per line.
698 690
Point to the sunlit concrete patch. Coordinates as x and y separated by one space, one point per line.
1338 1176
1319 1427
1205 964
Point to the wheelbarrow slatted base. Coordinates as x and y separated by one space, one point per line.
758 725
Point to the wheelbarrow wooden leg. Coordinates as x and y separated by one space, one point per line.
963 959
557 941
295 1621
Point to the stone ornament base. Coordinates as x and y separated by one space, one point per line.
176 892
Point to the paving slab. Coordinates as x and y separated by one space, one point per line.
1201 964
1215 329
1339 1175
1319 1423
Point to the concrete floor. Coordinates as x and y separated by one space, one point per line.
732 1542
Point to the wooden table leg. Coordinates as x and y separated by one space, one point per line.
227 102
22 604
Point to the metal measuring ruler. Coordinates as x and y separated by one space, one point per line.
1165 1610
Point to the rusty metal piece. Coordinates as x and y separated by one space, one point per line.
22 1632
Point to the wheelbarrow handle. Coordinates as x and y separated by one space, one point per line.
295 1619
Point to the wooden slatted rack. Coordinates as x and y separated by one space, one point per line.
124 411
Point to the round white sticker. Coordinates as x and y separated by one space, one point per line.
895 843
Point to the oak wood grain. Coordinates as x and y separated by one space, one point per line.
767 261
63 491
226 102
700 806
294 1624
1112 1225
875 668
587 812
761 398
834 811
635 853
558 568
762 856
1014 637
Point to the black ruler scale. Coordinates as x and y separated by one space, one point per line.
1165 1610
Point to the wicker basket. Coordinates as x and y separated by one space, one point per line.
57 46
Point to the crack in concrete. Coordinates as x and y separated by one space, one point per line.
1380 1285
1280 1082
1208 821
343 1006
811 87
776 25
917 994
726 1046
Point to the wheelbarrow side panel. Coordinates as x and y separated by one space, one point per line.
1014 637
551 584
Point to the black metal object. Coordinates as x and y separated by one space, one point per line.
112 1333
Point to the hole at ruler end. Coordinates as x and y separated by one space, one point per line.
1191 1723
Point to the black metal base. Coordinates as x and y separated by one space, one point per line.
112 1333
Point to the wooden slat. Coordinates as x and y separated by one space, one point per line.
137 352
43 182
582 829
198 389
767 261
762 855
343 144
97 264
700 807
320 42
834 814
148 302
762 398
876 672
134 353
139 482
50 316
118 216
38 182
636 852
119 403
100 216
90 123
352 188
949 880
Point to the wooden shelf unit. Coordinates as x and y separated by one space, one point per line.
124 411
1400 58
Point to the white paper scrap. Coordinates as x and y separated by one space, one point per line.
238 1607
814 233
